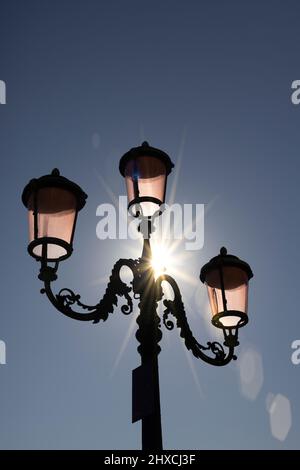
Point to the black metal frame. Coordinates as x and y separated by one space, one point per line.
57 181
44 241
149 291
243 318
137 202
145 150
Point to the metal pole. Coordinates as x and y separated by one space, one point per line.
146 396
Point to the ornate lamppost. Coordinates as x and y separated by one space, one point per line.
53 203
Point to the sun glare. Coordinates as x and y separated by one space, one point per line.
165 258
161 259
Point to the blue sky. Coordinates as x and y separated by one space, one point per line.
208 80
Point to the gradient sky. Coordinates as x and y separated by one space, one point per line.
207 80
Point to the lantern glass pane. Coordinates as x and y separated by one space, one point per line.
236 293
146 177
56 209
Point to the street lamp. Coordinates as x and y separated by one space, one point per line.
145 170
227 278
53 203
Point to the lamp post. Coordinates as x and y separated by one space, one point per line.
53 203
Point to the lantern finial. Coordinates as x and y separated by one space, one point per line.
223 251
55 172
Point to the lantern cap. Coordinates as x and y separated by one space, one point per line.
57 181
223 259
145 150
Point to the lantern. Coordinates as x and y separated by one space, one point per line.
145 170
227 278
53 203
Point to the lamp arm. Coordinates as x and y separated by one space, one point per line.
66 298
176 308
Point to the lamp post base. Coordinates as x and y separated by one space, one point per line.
146 404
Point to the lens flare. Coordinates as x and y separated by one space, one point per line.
161 259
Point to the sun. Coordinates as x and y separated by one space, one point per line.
164 260
161 259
